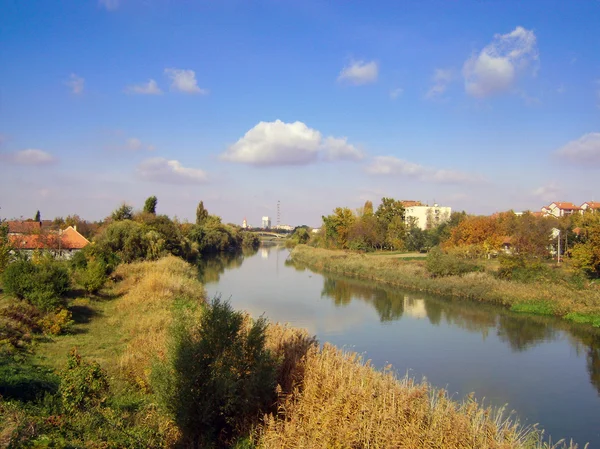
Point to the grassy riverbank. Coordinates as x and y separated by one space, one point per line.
544 298
326 397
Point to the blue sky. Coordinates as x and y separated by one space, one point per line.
482 106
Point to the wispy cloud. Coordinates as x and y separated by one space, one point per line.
359 72
184 81
109 5
496 68
583 151
162 170
30 156
395 93
76 84
441 79
392 166
278 143
546 193
149 88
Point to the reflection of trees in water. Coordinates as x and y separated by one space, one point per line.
590 338
521 333
210 267
389 304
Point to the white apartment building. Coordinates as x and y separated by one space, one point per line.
266 222
425 217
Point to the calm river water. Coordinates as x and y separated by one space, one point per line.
546 370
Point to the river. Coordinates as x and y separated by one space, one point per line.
545 369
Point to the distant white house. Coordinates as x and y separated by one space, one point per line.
424 216
284 227
592 206
560 209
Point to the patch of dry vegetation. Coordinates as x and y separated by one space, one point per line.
144 312
542 297
345 403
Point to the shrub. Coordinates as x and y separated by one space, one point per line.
219 376
440 264
42 284
57 323
93 276
522 269
83 385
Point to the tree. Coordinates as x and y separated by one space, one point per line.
337 227
150 205
38 217
586 253
124 212
201 213
388 209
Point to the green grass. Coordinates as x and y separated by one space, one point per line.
594 320
534 307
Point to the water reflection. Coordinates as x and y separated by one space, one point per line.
519 332
210 268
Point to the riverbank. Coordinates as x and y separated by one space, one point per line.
578 305
326 397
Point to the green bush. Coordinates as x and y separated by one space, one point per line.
42 284
440 264
83 385
93 276
219 377
523 269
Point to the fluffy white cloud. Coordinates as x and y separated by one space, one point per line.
392 166
395 93
29 156
159 169
441 78
110 5
585 150
76 84
359 72
496 68
279 143
149 88
184 81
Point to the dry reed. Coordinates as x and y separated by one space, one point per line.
345 403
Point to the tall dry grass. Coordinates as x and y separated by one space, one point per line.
144 311
560 299
345 403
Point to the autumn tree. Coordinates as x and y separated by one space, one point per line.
586 252
337 227
150 205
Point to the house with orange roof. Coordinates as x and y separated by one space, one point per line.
16 227
560 209
592 206
62 244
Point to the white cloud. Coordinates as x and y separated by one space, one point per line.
395 93
441 78
585 150
359 72
279 143
159 169
76 84
184 81
110 5
496 68
135 144
149 88
29 156
392 166
546 193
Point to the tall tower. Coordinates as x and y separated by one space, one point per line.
278 214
